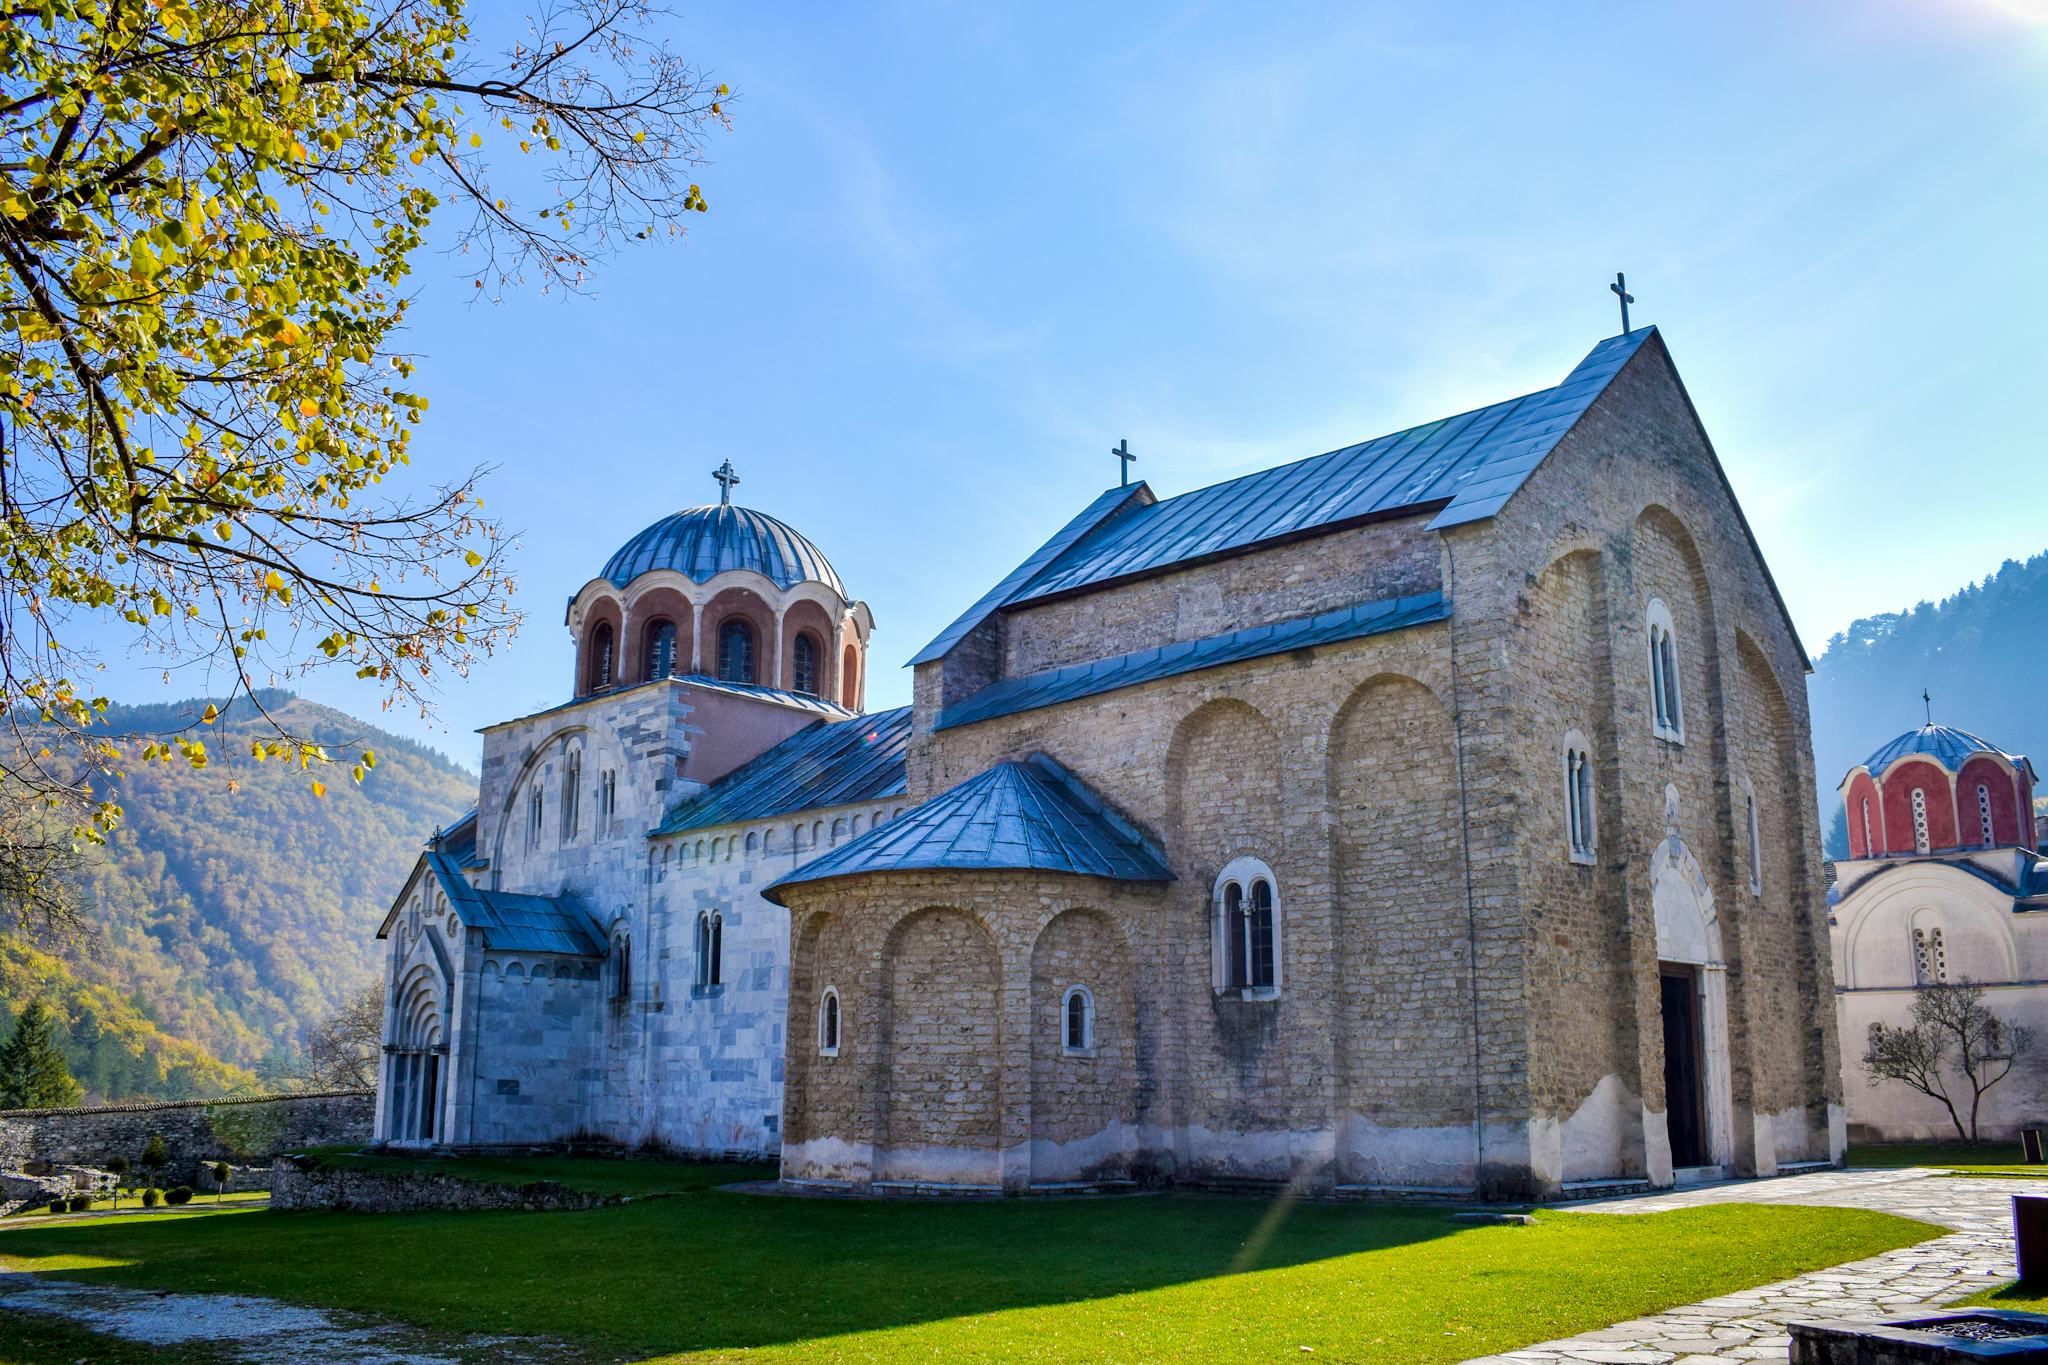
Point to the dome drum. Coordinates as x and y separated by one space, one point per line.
1938 790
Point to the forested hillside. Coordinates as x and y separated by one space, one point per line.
1982 654
238 904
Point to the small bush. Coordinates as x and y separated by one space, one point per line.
151 1197
59 1204
80 1203
182 1194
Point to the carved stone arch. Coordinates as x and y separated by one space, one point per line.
1403 1024
1225 790
938 1049
1083 1106
1877 918
511 822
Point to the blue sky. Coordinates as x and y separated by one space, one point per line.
955 252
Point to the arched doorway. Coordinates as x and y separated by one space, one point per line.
1692 979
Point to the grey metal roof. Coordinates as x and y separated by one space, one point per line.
1104 675
1945 744
830 763
1466 466
702 542
1105 506
1029 816
517 923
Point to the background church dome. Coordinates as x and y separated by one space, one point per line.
703 542
1944 744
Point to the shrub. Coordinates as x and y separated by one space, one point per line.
151 1197
80 1203
59 1204
182 1194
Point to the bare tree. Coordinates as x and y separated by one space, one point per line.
1953 1051
342 1050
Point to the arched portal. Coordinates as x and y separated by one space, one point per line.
1697 1125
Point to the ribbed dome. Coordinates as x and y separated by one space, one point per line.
1944 744
703 542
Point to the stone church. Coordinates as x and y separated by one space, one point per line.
1426 815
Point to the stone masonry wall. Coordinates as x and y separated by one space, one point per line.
195 1132
1380 560
294 1189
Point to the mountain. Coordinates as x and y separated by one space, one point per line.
1980 654
110 1044
235 902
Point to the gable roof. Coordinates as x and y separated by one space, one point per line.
1029 816
829 763
1075 681
1465 467
510 921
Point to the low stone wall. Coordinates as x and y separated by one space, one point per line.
302 1185
195 1132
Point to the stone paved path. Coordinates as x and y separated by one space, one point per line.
1740 1329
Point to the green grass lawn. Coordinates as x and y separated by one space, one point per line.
715 1275
1964 1158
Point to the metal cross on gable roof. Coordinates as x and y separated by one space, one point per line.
726 479
1122 450
1620 288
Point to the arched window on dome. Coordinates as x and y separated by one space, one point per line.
601 651
736 651
1869 849
804 664
1984 816
1920 839
661 649
849 678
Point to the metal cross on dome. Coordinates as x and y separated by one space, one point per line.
726 479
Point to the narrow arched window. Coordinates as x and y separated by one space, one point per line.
1930 957
536 815
1920 839
736 651
601 657
1665 699
804 665
710 949
1578 799
1869 849
1247 928
1984 815
828 1023
622 967
661 649
1077 1021
1756 849
572 796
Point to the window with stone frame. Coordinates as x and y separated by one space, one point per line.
1930 957
601 650
1579 821
736 651
1920 838
804 664
828 1023
536 815
660 650
1987 837
1247 930
1666 699
572 794
621 966
1077 1022
607 800
710 949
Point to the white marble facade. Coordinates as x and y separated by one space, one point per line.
553 974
